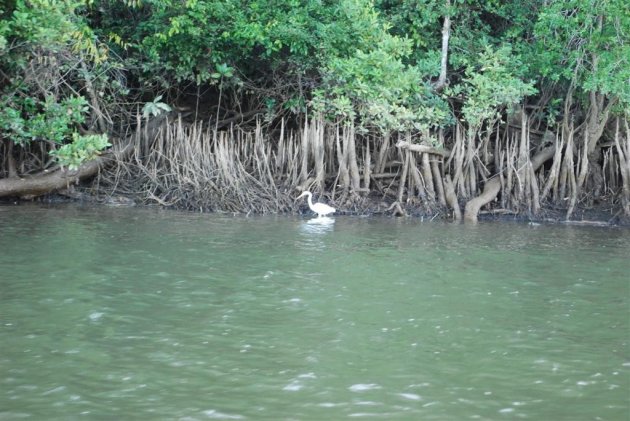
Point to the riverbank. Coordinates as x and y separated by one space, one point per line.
602 215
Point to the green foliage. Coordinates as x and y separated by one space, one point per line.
3 44
42 26
376 88
223 71
155 107
416 19
24 119
82 149
492 83
369 61
587 43
190 41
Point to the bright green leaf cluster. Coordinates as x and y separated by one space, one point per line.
82 149
155 107
26 119
374 86
493 83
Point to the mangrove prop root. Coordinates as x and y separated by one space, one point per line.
193 166
493 186
490 192
396 209
451 197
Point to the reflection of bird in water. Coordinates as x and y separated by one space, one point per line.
324 220
321 209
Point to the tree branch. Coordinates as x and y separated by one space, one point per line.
423 149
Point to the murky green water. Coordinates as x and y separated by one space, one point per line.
142 314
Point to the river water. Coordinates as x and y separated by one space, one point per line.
110 313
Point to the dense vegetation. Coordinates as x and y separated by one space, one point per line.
427 103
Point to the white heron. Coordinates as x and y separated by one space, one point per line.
321 209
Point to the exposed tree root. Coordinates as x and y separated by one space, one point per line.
493 186
451 198
490 191
196 167
396 209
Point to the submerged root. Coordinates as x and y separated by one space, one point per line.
396 209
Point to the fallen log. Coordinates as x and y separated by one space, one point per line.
47 181
50 181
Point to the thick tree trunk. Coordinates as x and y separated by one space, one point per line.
490 191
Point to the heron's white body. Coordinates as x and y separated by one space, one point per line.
321 209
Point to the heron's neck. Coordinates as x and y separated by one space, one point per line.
310 200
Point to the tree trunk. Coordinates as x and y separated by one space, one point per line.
367 172
317 142
11 165
100 120
342 158
446 33
623 150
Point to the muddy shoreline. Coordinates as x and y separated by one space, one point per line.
602 215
